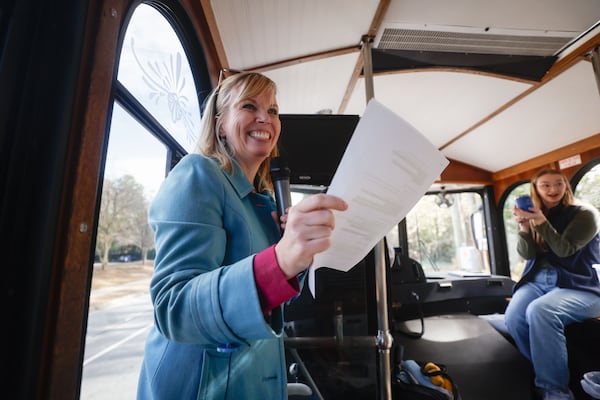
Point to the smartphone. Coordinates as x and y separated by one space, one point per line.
524 202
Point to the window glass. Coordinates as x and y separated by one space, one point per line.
446 233
155 69
588 188
120 311
516 262
133 150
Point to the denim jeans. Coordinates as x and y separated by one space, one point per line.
536 318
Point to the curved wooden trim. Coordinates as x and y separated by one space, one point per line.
588 149
210 37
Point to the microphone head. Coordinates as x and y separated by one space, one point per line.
279 169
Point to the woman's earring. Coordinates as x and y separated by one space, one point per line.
222 140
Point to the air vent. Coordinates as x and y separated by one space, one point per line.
479 41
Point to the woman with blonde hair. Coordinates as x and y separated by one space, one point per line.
223 269
559 239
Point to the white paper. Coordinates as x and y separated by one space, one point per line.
387 167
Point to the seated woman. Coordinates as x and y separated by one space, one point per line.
559 239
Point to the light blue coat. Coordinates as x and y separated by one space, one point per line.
210 339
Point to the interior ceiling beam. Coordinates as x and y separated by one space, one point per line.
302 59
380 13
351 84
211 21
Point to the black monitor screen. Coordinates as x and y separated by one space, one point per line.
313 145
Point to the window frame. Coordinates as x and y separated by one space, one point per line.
176 16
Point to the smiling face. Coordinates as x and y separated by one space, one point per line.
551 189
251 127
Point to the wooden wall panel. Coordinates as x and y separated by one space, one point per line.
588 149
459 173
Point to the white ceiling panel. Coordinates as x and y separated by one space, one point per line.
440 104
309 87
536 124
262 32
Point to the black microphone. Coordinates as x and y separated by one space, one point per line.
280 175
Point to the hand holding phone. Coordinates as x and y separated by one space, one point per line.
524 202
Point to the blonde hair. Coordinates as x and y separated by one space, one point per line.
245 85
567 200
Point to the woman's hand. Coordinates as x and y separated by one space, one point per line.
523 217
520 219
308 227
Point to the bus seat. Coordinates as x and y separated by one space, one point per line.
498 323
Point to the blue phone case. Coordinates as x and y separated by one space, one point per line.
524 202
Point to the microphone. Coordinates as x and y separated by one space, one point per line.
280 175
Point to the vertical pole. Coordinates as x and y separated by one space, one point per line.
368 68
384 338
596 65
